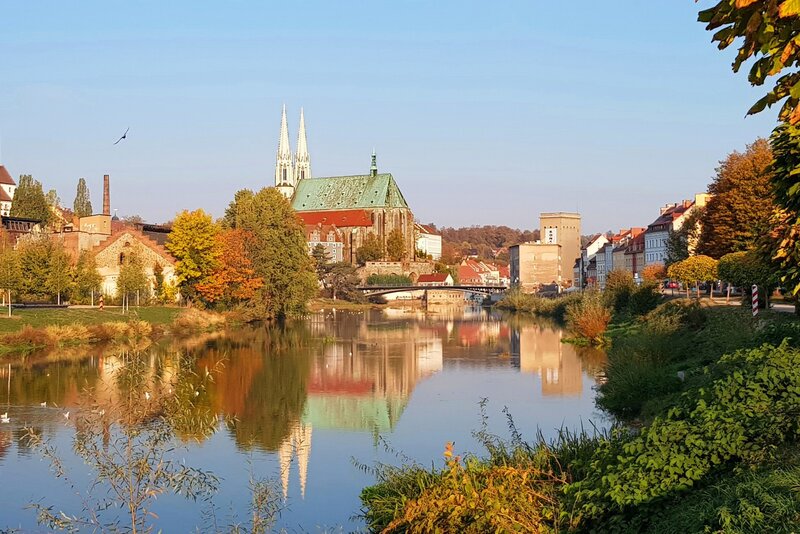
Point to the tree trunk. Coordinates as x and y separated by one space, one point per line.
728 296
9 303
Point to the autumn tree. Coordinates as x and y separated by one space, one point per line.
29 201
132 279
655 272
279 252
768 33
82 205
234 280
193 242
59 272
87 280
10 270
370 250
395 245
740 207
694 270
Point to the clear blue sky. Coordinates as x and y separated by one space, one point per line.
485 112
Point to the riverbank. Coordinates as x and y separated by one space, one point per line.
36 329
707 439
321 304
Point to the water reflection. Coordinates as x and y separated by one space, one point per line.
279 388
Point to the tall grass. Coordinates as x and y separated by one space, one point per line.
555 308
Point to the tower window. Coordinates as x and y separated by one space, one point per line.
284 175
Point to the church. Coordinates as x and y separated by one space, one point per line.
340 211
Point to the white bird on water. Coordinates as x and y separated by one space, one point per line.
43 404
4 418
147 395
66 415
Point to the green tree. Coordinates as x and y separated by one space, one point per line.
279 252
682 242
745 268
395 245
321 260
87 279
59 272
694 270
53 199
342 279
132 279
370 250
29 201
10 270
741 205
34 258
243 197
82 205
193 242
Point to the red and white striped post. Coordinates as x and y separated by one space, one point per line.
755 299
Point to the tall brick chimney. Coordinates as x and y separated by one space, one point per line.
106 196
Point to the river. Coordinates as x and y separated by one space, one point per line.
301 405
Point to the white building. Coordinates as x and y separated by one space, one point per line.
7 188
670 219
428 241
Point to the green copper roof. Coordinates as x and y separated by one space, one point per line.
348 192
353 413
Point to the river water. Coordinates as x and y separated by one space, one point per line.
301 405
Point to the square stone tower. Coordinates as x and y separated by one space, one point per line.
563 228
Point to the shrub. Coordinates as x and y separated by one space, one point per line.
556 307
588 318
668 317
388 280
644 298
632 380
193 320
745 416
72 334
29 336
109 331
619 288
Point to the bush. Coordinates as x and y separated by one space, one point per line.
389 280
619 288
588 318
746 416
632 380
670 316
73 334
644 298
194 320
556 308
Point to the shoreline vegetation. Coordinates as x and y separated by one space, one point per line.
32 330
705 401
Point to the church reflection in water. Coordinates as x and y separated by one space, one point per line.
276 385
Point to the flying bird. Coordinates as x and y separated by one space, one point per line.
124 136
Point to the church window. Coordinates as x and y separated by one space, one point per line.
121 258
302 175
315 235
284 175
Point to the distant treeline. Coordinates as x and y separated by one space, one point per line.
481 239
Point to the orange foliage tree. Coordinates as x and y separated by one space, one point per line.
654 272
233 280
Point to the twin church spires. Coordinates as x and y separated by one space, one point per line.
290 170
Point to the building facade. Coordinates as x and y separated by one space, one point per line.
564 229
670 219
429 242
534 264
7 188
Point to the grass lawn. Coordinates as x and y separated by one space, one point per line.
85 316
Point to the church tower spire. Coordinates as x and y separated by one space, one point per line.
302 165
284 177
